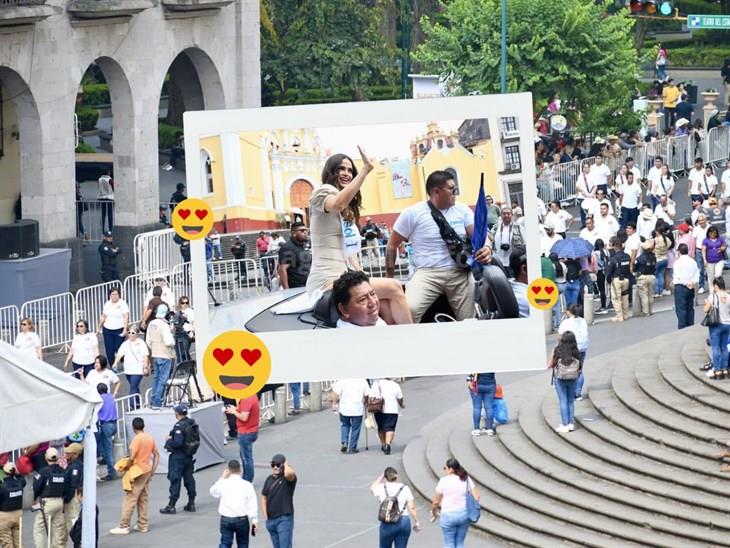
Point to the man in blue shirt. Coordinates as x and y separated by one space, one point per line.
107 428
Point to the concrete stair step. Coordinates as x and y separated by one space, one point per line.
495 531
651 381
532 440
626 388
577 525
675 373
694 355
568 486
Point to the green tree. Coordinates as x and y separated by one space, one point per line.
323 44
565 46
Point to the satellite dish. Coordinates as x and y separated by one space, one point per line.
558 122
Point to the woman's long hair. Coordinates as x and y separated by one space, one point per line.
567 349
457 468
330 176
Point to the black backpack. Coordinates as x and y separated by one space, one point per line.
389 511
192 438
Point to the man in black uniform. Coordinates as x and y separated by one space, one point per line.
295 258
180 463
108 252
74 482
177 196
49 485
11 506
238 250
618 276
277 502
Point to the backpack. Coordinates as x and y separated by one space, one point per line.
192 438
567 372
389 511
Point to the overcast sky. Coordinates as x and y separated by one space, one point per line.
378 140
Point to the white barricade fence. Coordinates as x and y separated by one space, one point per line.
718 144
155 251
54 318
9 323
93 217
372 260
125 404
181 282
652 150
90 301
235 279
135 290
678 153
268 265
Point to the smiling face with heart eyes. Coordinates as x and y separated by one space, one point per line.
542 294
236 364
192 219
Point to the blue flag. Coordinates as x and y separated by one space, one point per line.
479 235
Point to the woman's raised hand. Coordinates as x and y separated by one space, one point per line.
367 162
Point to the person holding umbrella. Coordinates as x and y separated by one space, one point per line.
571 251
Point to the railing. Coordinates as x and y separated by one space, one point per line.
54 318
155 251
718 144
678 153
135 290
93 217
125 404
9 320
372 260
231 280
89 302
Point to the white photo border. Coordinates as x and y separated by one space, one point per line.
399 350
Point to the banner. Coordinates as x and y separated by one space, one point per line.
402 187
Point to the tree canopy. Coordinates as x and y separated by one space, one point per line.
566 46
319 44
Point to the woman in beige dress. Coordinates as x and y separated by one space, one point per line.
335 235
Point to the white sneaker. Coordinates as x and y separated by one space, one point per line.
579 398
701 290
666 292
489 432
562 429
571 427
657 295
120 531
476 433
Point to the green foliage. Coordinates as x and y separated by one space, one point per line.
699 56
87 118
321 44
84 148
571 48
96 95
339 94
167 135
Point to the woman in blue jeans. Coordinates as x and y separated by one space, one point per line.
482 387
719 333
565 352
396 534
450 499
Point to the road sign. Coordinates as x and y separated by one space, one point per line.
708 21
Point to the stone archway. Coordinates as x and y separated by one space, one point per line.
20 169
300 193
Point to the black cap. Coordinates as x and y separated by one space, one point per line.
108 234
278 459
180 186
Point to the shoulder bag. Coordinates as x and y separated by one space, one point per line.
459 250
712 318
375 403
473 509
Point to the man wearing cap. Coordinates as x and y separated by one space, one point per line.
277 502
162 351
74 482
108 251
180 463
237 507
177 196
11 507
548 239
49 485
238 250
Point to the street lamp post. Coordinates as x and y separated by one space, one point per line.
503 60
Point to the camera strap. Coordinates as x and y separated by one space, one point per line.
453 241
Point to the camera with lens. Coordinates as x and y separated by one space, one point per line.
177 322
458 252
504 247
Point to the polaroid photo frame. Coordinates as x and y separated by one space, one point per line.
389 351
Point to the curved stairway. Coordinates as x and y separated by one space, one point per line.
641 468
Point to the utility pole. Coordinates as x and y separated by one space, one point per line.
503 60
405 36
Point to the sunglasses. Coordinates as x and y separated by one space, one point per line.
24 323
276 465
132 332
184 302
80 325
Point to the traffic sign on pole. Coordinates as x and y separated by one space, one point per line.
708 21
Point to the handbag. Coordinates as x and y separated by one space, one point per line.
473 509
370 421
712 318
375 403
501 413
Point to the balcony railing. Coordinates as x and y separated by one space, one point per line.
23 12
191 6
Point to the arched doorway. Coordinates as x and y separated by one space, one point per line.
20 146
300 193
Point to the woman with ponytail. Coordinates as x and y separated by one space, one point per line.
450 500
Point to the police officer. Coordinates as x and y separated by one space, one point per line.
238 250
180 463
645 266
619 277
108 252
11 506
74 483
49 485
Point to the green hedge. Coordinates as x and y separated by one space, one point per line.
707 56
334 95
87 118
96 94
167 135
84 148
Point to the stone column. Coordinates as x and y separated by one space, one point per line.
709 97
655 118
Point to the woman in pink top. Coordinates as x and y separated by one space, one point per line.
450 498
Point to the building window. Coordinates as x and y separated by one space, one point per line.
515 194
508 124
206 165
512 158
451 171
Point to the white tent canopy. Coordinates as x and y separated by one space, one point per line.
39 402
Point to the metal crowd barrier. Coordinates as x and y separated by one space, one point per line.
135 290
678 153
89 302
230 280
718 144
125 404
155 251
372 260
9 323
94 217
54 319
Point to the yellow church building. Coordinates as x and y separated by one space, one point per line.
264 179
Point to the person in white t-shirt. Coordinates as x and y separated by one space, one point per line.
630 196
699 232
101 374
606 224
647 222
664 184
28 341
600 175
436 271
653 178
585 190
593 207
136 355
725 186
167 295
665 210
695 181
709 182
632 247
590 233
348 397
633 169
84 350
387 485
559 219
113 323
548 239
387 419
